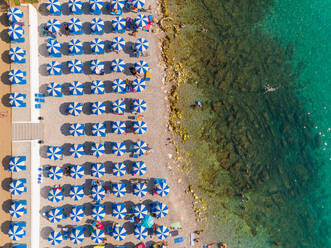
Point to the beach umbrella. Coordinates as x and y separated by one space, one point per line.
119 86
75 25
142 44
75 108
55 238
119 169
17 210
118 107
54 89
141 66
139 105
76 192
14 15
162 189
96 5
16 76
98 149
97 87
77 150
141 20
75 46
75 66
15 32
162 232
140 147
16 232
98 236
53 6
139 168
160 210
55 195
16 187
98 192
140 211
140 232
98 170
77 129
119 210
119 233
147 221
54 152
99 129
98 212
118 148
118 23
98 46
16 99
55 173
118 127
118 65
76 88
77 236
97 66
139 85
16 54
138 3
98 108
118 43
53 46
140 189
97 25
77 213
17 163
119 189
117 4
54 68
55 215
139 127
75 6
53 25
77 171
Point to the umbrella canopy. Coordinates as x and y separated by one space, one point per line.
96 5
75 66
75 6
118 107
15 32
54 68
117 4
147 221
118 148
160 210
54 152
141 20
162 232
98 212
140 189
139 168
98 192
139 127
138 3
118 65
119 86
75 25
162 189
98 236
55 238
75 108
97 87
54 89
97 46
139 105
118 23
16 76
140 147
53 6
17 210
16 232
16 54
119 210
76 88
16 187
119 169
55 173
77 213
17 99
53 25
139 85
118 43
118 127
77 150
98 108
77 171
119 233
98 149
14 15
142 44
77 236
77 192
97 25
98 170
140 232
97 66
141 66
140 211
75 46
99 129
53 46
17 163
118 189
55 195
77 129
55 215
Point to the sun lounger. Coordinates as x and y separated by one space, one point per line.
147 28
65 233
174 233
23 180
179 240
148 76
19 246
21 224
159 180
20 40
23 202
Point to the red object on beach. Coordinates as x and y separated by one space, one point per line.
142 245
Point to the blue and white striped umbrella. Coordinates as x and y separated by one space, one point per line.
140 211
162 189
54 68
16 54
97 25
138 3
77 236
140 147
54 89
140 232
139 85
162 232
55 195
119 233
119 169
17 163
16 99
99 129
141 20
119 86
53 25
77 171
75 46
118 43
98 46
142 44
139 105
55 215
17 210
96 5
97 87
76 88
117 4
53 6
76 192
119 210
54 152
55 238
160 210
75 66
75 6
77 129
139 168
14 15
98 108
97 66
75 108
139 127
77 150
16 76
98 212
15 32
118 65
16 232
75 25
118 23
98 149
119 127
55 173
77 213
98 170
118 107
141 66
98 236
118 148
140 189
16 187
118 189
98 192
53 46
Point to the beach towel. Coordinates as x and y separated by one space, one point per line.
174 233
178 240
192 239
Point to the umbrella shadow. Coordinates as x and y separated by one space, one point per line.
43 10
65 129
86 28
65 89
127 69
4 36
45 170
63 108
65 9
66 149
5 57
5 227
87 48
6 205
108 108
128 104
5 100
65 48
5 183
45 209
44 191
109 167
4 18
129 126
87 88
4 78
108 27
128 48
43 50
108 86
86 67
108 125
43 89
129 228
107 67
5 162
87 108
87 168
43 70
65 68
108 207
66 190
88 129
43 151
88 148
45 232
86 9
